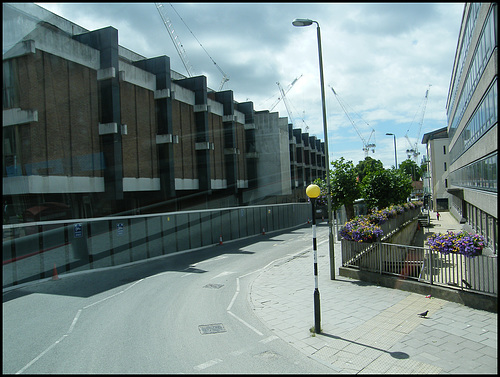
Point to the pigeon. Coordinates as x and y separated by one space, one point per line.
424 314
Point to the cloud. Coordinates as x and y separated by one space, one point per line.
379 57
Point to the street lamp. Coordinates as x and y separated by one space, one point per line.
307 22
395 155
312 191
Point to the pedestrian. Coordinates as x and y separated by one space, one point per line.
437 215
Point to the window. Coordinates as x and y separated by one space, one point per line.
10 85
444 149
445 166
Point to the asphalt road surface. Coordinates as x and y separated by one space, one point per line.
188 313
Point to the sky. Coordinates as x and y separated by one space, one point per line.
380 58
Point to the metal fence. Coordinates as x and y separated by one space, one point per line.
478 274
32 251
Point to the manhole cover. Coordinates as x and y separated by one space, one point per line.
213 286
214 328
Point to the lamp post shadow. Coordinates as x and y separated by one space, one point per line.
396 354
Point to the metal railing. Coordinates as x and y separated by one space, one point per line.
34 251
478 274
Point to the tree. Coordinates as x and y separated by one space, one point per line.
344 186
411 168
368 165
385 187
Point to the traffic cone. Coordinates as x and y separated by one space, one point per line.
220 239
54 274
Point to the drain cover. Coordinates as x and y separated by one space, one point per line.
213 286
214 328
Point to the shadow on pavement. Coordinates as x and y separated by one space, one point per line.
396 354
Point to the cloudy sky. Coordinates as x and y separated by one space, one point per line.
380 59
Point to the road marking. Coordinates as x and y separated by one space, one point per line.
208 364
116 294
222 274
237 353
74 321
246 324
39 356
235 294
209 260
269 339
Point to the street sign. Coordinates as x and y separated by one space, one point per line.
78 230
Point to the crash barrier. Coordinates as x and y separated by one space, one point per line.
478 274
34 251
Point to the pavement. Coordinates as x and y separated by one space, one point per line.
369 329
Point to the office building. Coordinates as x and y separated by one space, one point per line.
96 129
472 110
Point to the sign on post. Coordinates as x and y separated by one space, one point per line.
78 230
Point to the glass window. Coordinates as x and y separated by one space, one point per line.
10 85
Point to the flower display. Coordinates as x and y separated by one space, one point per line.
367 229
464 243
361 229
377 217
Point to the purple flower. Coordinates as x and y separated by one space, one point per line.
459 243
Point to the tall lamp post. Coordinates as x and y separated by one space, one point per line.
312 191
395 155
299 22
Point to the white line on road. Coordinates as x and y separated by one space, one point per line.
235 294
222 274
74 321
116 294
208 364
269 339
43 353
245 323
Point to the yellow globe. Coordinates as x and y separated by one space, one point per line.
313 191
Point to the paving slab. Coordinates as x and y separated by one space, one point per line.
368 329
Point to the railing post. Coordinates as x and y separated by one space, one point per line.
380 257
430 266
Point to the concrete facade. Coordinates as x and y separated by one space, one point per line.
472 109
107 131
436 178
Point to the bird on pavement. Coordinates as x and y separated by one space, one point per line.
424 314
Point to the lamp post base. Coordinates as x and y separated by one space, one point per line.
317 315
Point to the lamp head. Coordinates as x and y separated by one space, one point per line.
313 191
302 22
389 134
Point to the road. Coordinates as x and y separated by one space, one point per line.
187 313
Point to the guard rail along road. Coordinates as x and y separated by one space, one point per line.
40 250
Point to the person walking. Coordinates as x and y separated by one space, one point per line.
437 215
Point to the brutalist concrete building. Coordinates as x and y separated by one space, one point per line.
96 129
472 108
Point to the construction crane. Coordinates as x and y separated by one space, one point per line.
366 144
175 38
413 148
285 92
285 101
287 104
180 48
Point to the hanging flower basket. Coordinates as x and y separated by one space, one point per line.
464 243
